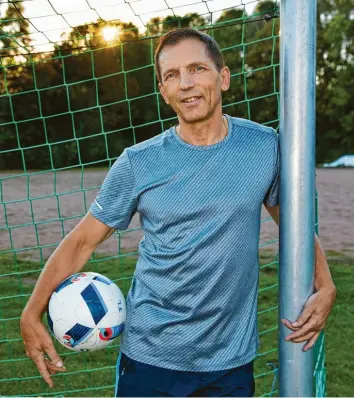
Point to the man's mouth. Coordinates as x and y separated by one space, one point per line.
190 99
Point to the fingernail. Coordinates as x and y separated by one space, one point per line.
295 324
60 364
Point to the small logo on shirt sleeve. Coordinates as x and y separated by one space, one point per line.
98 205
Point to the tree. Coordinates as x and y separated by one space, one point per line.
14 39
335 79
92 97
14 44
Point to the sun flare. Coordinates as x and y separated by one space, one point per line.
110 33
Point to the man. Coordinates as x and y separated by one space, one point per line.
191 327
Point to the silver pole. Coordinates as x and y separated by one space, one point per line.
297 189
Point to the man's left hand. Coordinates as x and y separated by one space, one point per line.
312 320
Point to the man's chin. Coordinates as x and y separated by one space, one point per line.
193 117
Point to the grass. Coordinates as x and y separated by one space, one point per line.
93 374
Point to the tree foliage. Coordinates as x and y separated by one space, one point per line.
89 99
335 74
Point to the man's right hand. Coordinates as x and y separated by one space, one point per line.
38 342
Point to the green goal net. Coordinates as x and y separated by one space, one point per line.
77 86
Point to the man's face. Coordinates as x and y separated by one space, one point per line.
190 81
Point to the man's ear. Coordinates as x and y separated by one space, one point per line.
162 92
226 78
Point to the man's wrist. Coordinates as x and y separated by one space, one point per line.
29 313
327 287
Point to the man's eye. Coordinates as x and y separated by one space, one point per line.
170 75
199 68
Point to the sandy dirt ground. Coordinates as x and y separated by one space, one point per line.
38 210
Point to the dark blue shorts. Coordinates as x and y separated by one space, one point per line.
137 379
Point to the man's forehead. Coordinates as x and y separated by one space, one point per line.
176 56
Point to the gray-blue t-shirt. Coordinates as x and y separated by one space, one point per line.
192 304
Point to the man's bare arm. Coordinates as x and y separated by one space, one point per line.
311 321
69 257
322 276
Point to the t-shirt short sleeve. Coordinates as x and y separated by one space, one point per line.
115 203
272 197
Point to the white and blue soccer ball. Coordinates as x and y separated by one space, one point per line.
86 312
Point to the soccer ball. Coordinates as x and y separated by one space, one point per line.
86 312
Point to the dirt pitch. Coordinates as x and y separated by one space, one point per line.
46 206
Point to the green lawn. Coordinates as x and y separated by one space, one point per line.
93 374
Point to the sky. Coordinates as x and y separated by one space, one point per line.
58 16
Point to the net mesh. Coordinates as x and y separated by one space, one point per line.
77 86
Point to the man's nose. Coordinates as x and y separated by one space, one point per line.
186 80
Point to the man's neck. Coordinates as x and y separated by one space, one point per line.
204 133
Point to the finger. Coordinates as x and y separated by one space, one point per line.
54 358
303 318
306 337
311 342
288 324
52 372
52 368
307 328
42 368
